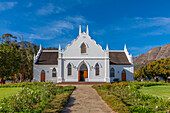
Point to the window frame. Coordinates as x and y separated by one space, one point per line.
54 72
112 71
97 70
69 69
83 48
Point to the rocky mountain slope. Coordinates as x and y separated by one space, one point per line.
153 54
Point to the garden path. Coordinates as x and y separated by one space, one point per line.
85 99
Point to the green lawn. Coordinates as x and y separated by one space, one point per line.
160 91
5 92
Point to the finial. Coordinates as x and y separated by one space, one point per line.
87 31
40 47
125 49
59 48
79 29
107 48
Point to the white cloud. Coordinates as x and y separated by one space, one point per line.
76 19
57 28
99 32
45 10
29 4
59 10
152 22
7 5
137 50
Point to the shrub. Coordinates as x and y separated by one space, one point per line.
32 98
137 102
116 79
115 103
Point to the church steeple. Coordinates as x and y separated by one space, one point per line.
79 29
107 48
87 31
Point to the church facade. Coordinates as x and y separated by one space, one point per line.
82 61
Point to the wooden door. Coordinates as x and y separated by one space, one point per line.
79 74
123 77
85 74
42 77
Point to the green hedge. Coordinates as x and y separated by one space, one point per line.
23 84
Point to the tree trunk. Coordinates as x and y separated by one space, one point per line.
15 78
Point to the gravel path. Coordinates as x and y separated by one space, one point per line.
85 99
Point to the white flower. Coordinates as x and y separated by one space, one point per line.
0 107
156 106
169 98
2 103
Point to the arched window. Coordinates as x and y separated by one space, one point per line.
83 48
97 69
54 74
112 72
69 69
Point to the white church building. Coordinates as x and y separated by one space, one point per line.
82 61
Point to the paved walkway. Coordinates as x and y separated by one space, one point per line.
85 99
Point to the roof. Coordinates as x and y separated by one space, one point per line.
118 58
48 58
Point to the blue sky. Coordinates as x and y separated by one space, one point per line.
141 24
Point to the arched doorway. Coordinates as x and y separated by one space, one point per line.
123 75
42 76
83 72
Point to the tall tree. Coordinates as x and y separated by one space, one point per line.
30 54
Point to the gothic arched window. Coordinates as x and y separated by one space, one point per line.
97 69
54 74
83 48
112 72
69 69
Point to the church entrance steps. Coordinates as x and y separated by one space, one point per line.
82 83
85 99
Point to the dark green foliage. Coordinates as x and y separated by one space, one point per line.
157 68
15 59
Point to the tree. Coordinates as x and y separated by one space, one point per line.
9 60
24 62
8 38
139 73
30 55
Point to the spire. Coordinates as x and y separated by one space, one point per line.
87 31
79 29
125 49
59 48
40 47
107 48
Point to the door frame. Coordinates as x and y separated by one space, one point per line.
85 75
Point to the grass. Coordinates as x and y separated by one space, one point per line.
6 92
114 102
159 91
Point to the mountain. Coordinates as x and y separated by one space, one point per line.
153 54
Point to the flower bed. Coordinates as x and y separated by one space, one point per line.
137 101
33 98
